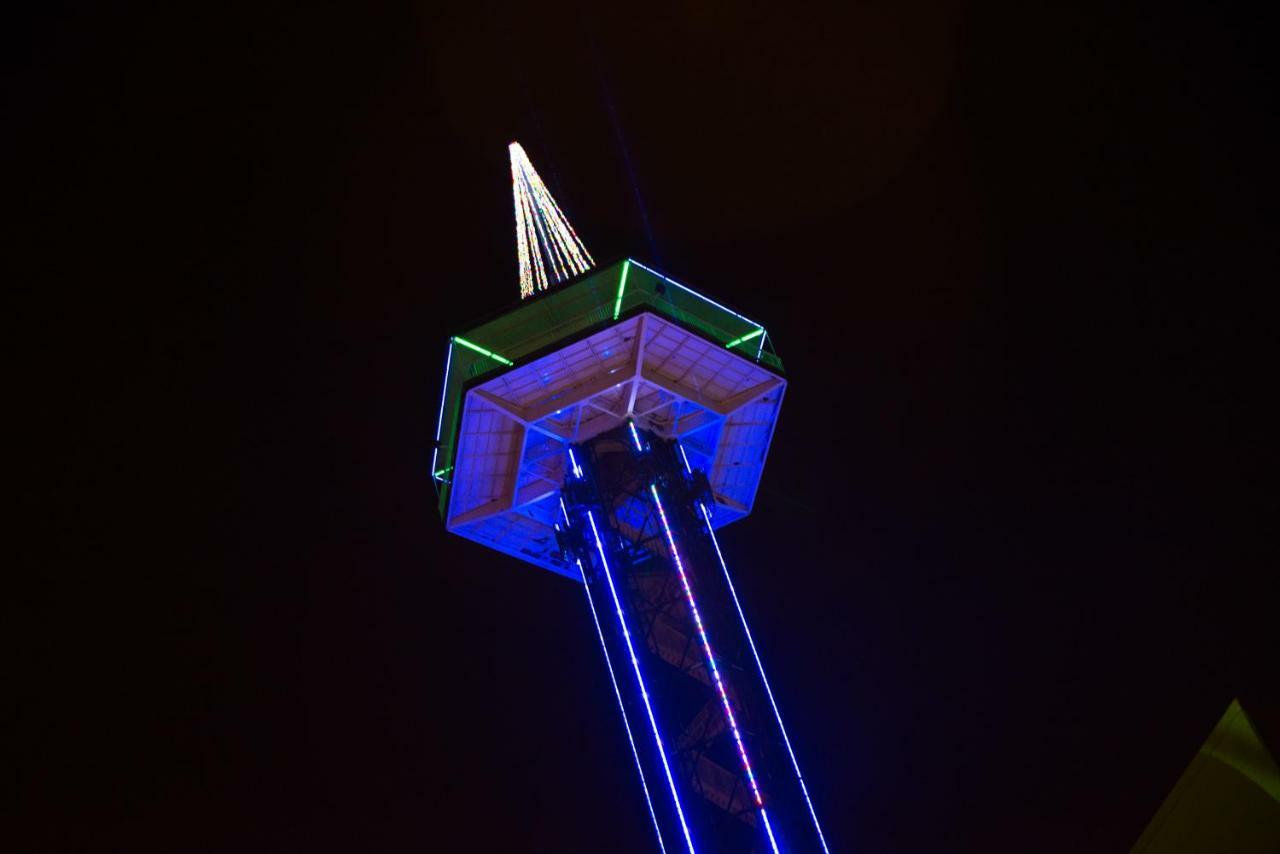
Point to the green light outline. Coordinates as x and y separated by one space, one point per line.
622 286
735 342
482 351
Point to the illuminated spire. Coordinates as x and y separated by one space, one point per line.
544 239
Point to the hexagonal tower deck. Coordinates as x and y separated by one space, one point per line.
622 342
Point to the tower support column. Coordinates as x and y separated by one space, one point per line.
715 764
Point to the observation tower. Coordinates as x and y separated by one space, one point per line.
604 429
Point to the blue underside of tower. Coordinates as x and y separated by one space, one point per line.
681 369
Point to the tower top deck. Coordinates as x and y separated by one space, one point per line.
620 343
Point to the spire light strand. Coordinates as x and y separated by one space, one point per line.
544 237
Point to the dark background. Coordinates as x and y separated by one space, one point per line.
1013 555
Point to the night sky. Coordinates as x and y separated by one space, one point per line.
1013 554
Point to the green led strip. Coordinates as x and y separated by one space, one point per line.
735 342
482 351
622 286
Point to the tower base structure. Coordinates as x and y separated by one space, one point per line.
716 766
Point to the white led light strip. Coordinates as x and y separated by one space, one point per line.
760 667
444 394
702 297
711 665
644 693
614 680
544 236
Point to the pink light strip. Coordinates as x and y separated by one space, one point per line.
711 664
786 739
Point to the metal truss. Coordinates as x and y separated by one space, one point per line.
612 492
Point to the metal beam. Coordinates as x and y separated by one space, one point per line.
515 470
637 365
586 389
730 503
519 415
689 394
492 507
532 493
742 398
704 418
661 404
601 408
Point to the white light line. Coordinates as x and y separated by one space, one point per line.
644 693
711 663
695 293
544 232
544 236
444 391
769 691
769 828
618 694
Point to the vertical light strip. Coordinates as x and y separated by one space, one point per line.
760 349
444 391
577 470
769 829
644 692
530 218
684 457
545 240
543 233
622 286
618 694
711 662
522 235
635 437
769 691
